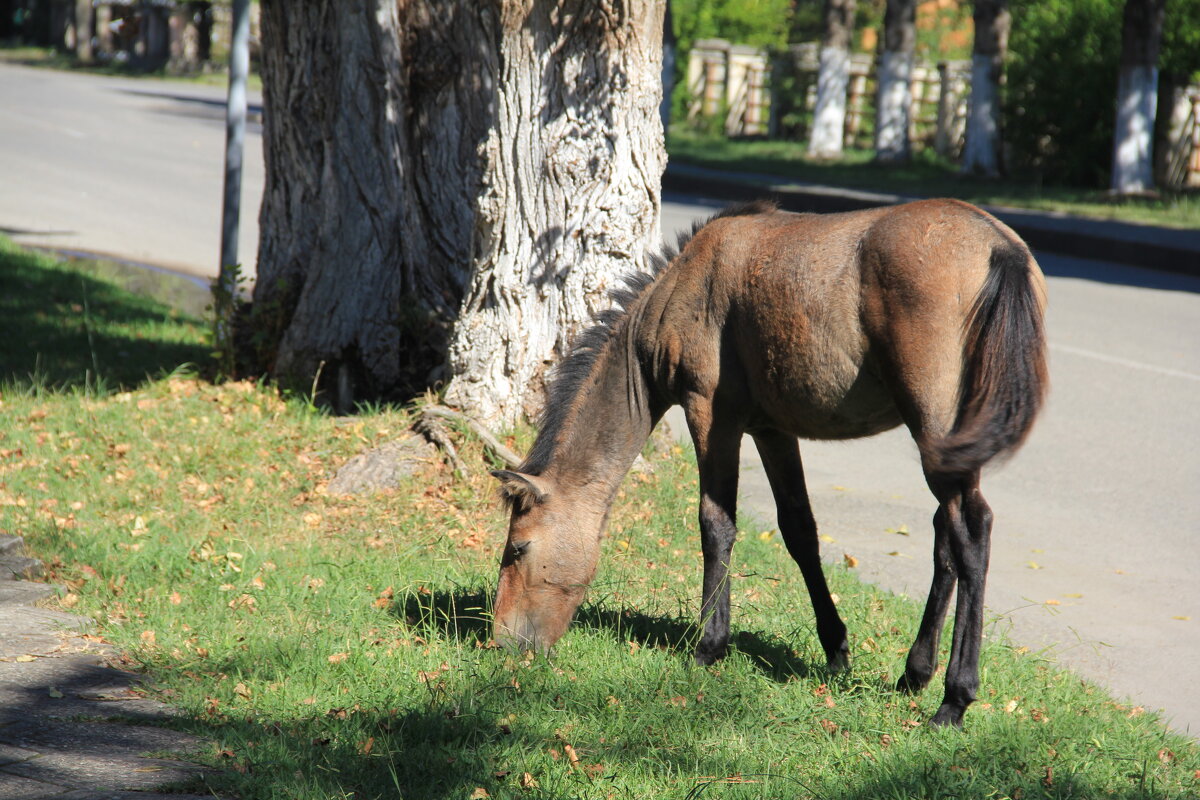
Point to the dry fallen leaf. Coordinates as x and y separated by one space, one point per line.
1181 617
1034 565
1053 602
527 781
850 560
479 794
338 658
55 693
242 691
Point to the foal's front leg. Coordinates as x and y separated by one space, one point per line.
717 458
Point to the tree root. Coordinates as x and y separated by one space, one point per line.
430 424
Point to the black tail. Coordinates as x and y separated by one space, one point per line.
1004 377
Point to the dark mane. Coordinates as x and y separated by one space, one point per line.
589 345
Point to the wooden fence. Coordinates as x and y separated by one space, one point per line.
750 93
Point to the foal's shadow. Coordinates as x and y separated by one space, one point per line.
465 615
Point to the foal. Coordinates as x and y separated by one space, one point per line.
788 326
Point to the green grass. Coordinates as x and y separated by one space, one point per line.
336 647
65 324
926 175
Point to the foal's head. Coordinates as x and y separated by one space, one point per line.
549 559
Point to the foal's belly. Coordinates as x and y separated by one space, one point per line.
817 392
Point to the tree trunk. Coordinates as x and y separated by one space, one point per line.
571 197
1137 97
833 77
894 100
981 155
83 31
373 114
430 163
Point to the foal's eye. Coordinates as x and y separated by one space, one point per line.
518 548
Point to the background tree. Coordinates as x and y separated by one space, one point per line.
1137 96
894 100
829 114
981 154
434 164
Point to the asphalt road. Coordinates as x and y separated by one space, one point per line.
1096 549
123 167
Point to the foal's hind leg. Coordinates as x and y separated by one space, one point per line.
781 459
970 546
963 527
923 657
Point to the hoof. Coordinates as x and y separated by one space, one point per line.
709 655
839 661
911 684
948 716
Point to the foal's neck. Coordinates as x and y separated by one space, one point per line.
611 417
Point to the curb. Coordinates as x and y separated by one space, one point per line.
14 564
72 725
1147 246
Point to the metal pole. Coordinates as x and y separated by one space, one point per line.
235 133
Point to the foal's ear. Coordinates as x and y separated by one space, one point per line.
522 490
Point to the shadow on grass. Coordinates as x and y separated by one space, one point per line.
63 326
476 729
465 616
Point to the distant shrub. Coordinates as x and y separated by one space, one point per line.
1059 107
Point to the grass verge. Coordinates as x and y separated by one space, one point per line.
337 646
77 323
927 175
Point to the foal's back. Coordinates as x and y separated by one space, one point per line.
826 325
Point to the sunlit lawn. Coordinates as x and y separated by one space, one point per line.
338 646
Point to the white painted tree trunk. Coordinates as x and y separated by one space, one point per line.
981 152
833 77
893 106
1137 97
570 197
1133 147
829 115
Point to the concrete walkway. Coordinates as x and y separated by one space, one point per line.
75 725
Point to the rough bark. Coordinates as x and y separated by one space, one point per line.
894 101
373 115
571 196
439 166
833 77
1137 97
981 155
